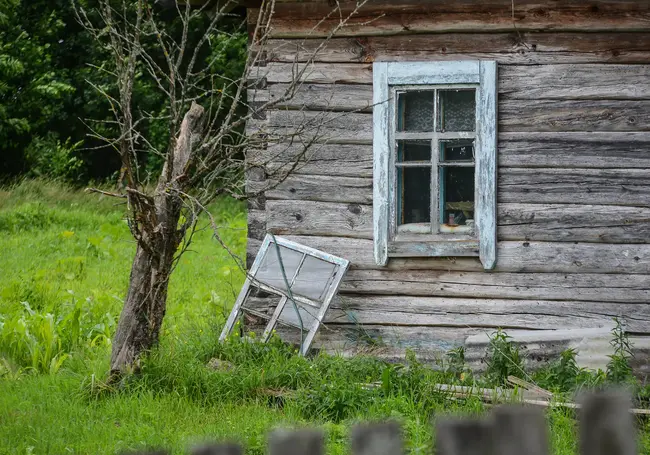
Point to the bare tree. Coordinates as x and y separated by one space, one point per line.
206 152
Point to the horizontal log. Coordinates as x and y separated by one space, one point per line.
510 48
318 159
306 127
482 313
386 342
568 150
623 187
334 97
536 222
628 187
574 115
319 19
573 223
319 218
577 82
522 150
559 82
414 248
431 344
314 73
514 116
539 257
351 190
480 285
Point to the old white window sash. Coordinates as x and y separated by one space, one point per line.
387 75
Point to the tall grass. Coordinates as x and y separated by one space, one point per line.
65 267
64 272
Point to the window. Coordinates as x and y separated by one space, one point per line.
435 160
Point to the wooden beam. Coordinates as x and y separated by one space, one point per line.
317 19
507 48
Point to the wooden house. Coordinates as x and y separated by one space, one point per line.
482 164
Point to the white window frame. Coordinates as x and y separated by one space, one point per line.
387 243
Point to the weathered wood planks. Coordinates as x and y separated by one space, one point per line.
536 222
573 223
594 287
540 257
558 81
510 48
624 187
574 115
575 186
320 218
573 210
597 150
593 150
537 117
317 19
575 82
463 312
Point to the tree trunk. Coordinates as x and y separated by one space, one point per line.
144 308
155 227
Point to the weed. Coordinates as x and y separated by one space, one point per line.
619 369
504 358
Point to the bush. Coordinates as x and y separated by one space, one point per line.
503 358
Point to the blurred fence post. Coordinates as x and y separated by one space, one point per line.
519 430
463 437
377 439
607 425
297 442
218 449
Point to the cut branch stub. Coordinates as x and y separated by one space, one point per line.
189 135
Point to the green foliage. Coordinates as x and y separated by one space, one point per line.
504 358
64 273
564 375
48 62
49 157
55 345
619 369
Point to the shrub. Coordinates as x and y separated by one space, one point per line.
618 368
504 358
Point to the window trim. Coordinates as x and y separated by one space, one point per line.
476 72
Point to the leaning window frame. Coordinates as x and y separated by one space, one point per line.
481 74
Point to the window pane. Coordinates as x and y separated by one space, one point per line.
414 194
457 150
314 278
457 110
415 111
456 195
270 272
413 151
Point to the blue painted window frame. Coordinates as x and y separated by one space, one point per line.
483 76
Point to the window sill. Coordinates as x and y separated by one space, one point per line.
429 248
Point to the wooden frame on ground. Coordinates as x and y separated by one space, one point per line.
312 283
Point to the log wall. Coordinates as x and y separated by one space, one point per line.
573 176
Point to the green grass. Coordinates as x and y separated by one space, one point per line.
64 270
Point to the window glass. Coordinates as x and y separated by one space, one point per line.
457 110
415 110
457 150
413 151
456 195
414 194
